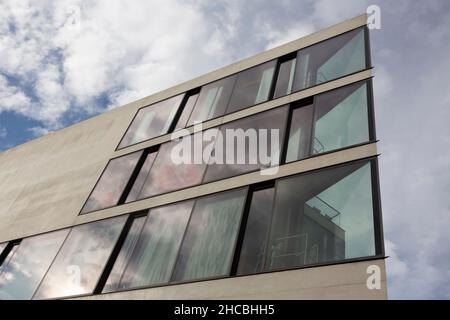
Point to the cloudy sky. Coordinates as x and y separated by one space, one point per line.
64 61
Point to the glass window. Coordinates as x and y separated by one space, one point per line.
154 256
252 86
213 100
285 78
254 245
81 260
187 110
3 246
300 133
152 121
168 175
142 176
330 59
23 273
114 278
341 118
245 147
321 217
110 186
208 245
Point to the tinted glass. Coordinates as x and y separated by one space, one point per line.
321 217
341 118
112 182
208 245
188 107
248 144
81 260
9 256
285 78
138 184
168 175
151 121
255 238
213 100
300 133
330 59
23 273
114 278
252 86
154 257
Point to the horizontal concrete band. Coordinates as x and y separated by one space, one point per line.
321 161
272 104
339 281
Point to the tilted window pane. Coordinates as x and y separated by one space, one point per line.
23 273
252 86
81 260
188 107
300 133
208 245
285 78
248 144
114 278
322 216
2 247
330 59
341 118
152 121
112 182
167 174
213 100
141 178
154 256
255 238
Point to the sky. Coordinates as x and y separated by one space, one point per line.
68 60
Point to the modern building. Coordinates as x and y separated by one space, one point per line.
100 210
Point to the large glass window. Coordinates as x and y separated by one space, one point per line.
321 217
248 144
212 101
112 183
156 251
341 118
330 59
81 260
152 121
138 184
208 245
187 110
20 277
338 119
9 255
252 86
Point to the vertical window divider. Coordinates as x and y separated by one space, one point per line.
135 173
181 108
280 61
287 131
116 251
371 110
313 127
376 203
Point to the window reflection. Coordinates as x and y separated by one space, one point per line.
115 277
285 78
188 107
253 145
330 59
141 178
321 217
9 256
213 100
20 277
154 257
252 86
208 245
300 133
79 263
112 182
152 121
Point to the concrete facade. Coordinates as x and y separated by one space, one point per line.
45 182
